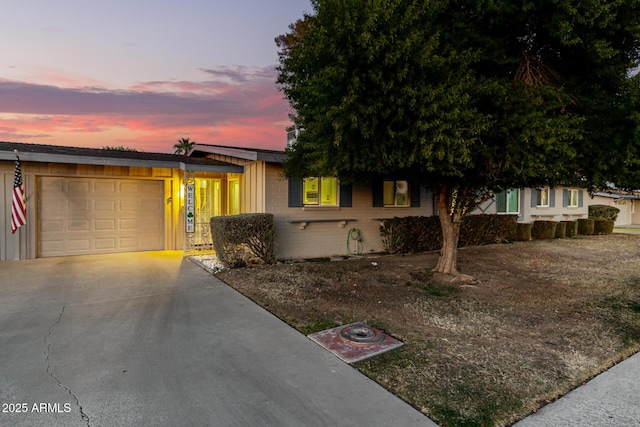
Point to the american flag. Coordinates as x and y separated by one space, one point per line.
18 205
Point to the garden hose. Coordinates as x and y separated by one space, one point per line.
354 235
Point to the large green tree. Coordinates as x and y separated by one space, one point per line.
468 97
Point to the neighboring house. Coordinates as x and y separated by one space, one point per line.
628 203
89 201
531 204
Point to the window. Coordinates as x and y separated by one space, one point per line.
542 198
573 199
320 191
396 193
509 201
233 196
207 203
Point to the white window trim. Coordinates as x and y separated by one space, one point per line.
395 205
506 212
319 205
539 195
570 200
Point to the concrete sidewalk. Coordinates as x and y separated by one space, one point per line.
150 339
612 399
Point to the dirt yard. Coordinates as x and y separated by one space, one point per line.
541 318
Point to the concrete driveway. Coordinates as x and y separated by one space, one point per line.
150 339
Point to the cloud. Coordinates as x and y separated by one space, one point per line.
232 106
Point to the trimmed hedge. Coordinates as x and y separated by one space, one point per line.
571 228
523 232
604 212
421 234
239 238
544 229
561 230
602 226
586 226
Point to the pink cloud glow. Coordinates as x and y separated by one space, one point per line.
237 106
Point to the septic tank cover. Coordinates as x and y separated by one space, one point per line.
355 342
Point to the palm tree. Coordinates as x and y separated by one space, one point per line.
184 146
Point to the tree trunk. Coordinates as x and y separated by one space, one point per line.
450 211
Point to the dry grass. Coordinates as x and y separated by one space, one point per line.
542 317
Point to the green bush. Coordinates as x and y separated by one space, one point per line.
604 212
586 226
238 238
571 228
602 226
561 230
523 232
544 229
421 234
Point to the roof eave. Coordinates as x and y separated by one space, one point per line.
110 161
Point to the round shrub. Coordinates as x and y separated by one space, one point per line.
523 232
571 228
561 230
602 226
604 212
586 226
544 229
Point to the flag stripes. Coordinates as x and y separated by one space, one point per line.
18 205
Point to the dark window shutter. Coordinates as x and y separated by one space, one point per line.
521 216
501 201
534 197
377 193
552 197
565 197
414 193
346 195
295 193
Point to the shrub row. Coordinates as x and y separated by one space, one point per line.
239 238
554 229
421 234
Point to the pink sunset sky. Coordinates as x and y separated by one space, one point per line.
144 73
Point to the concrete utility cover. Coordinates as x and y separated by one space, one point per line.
355 342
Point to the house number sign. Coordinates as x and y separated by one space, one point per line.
190 208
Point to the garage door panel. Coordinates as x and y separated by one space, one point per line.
102 244
105 187
105 225
79 225
129 224
105 205
83 216
79 186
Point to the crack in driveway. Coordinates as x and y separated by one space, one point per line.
47 353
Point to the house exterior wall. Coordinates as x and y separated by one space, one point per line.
323 239
556 211
23 244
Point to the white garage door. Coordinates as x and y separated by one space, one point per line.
94 215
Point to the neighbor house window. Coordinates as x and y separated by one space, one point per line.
542 196
396 193
509 201
320 191
573 201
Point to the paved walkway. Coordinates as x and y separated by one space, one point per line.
612 399
150 339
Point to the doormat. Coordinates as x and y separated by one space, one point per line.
355 342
